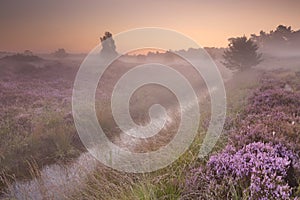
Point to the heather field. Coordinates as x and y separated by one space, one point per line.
36 122
257 156
149 100
42 157
261 159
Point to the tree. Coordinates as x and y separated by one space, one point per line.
241 54
283 38
60 53
108 45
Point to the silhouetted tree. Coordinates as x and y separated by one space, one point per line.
241 54
283 30
108 45
60 53
283 38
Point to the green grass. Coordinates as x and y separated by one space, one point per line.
49 140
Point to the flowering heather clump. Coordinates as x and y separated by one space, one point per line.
277 128
257 171
262 158
273 115
278 99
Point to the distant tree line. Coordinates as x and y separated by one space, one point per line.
241 54
282 38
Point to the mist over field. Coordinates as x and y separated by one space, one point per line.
194 100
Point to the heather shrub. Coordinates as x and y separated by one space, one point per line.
261 160
277 128
278 98
272 115
257 171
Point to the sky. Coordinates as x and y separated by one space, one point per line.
76 25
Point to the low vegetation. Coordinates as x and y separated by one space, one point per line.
261 160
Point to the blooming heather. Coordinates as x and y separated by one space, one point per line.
261 160
258 169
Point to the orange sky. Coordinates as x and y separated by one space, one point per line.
76 25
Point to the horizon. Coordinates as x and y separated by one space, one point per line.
142 51
43 27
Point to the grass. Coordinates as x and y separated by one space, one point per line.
167 183
24 151
48 140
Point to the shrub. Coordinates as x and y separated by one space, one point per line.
259 171
272 115
261 160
